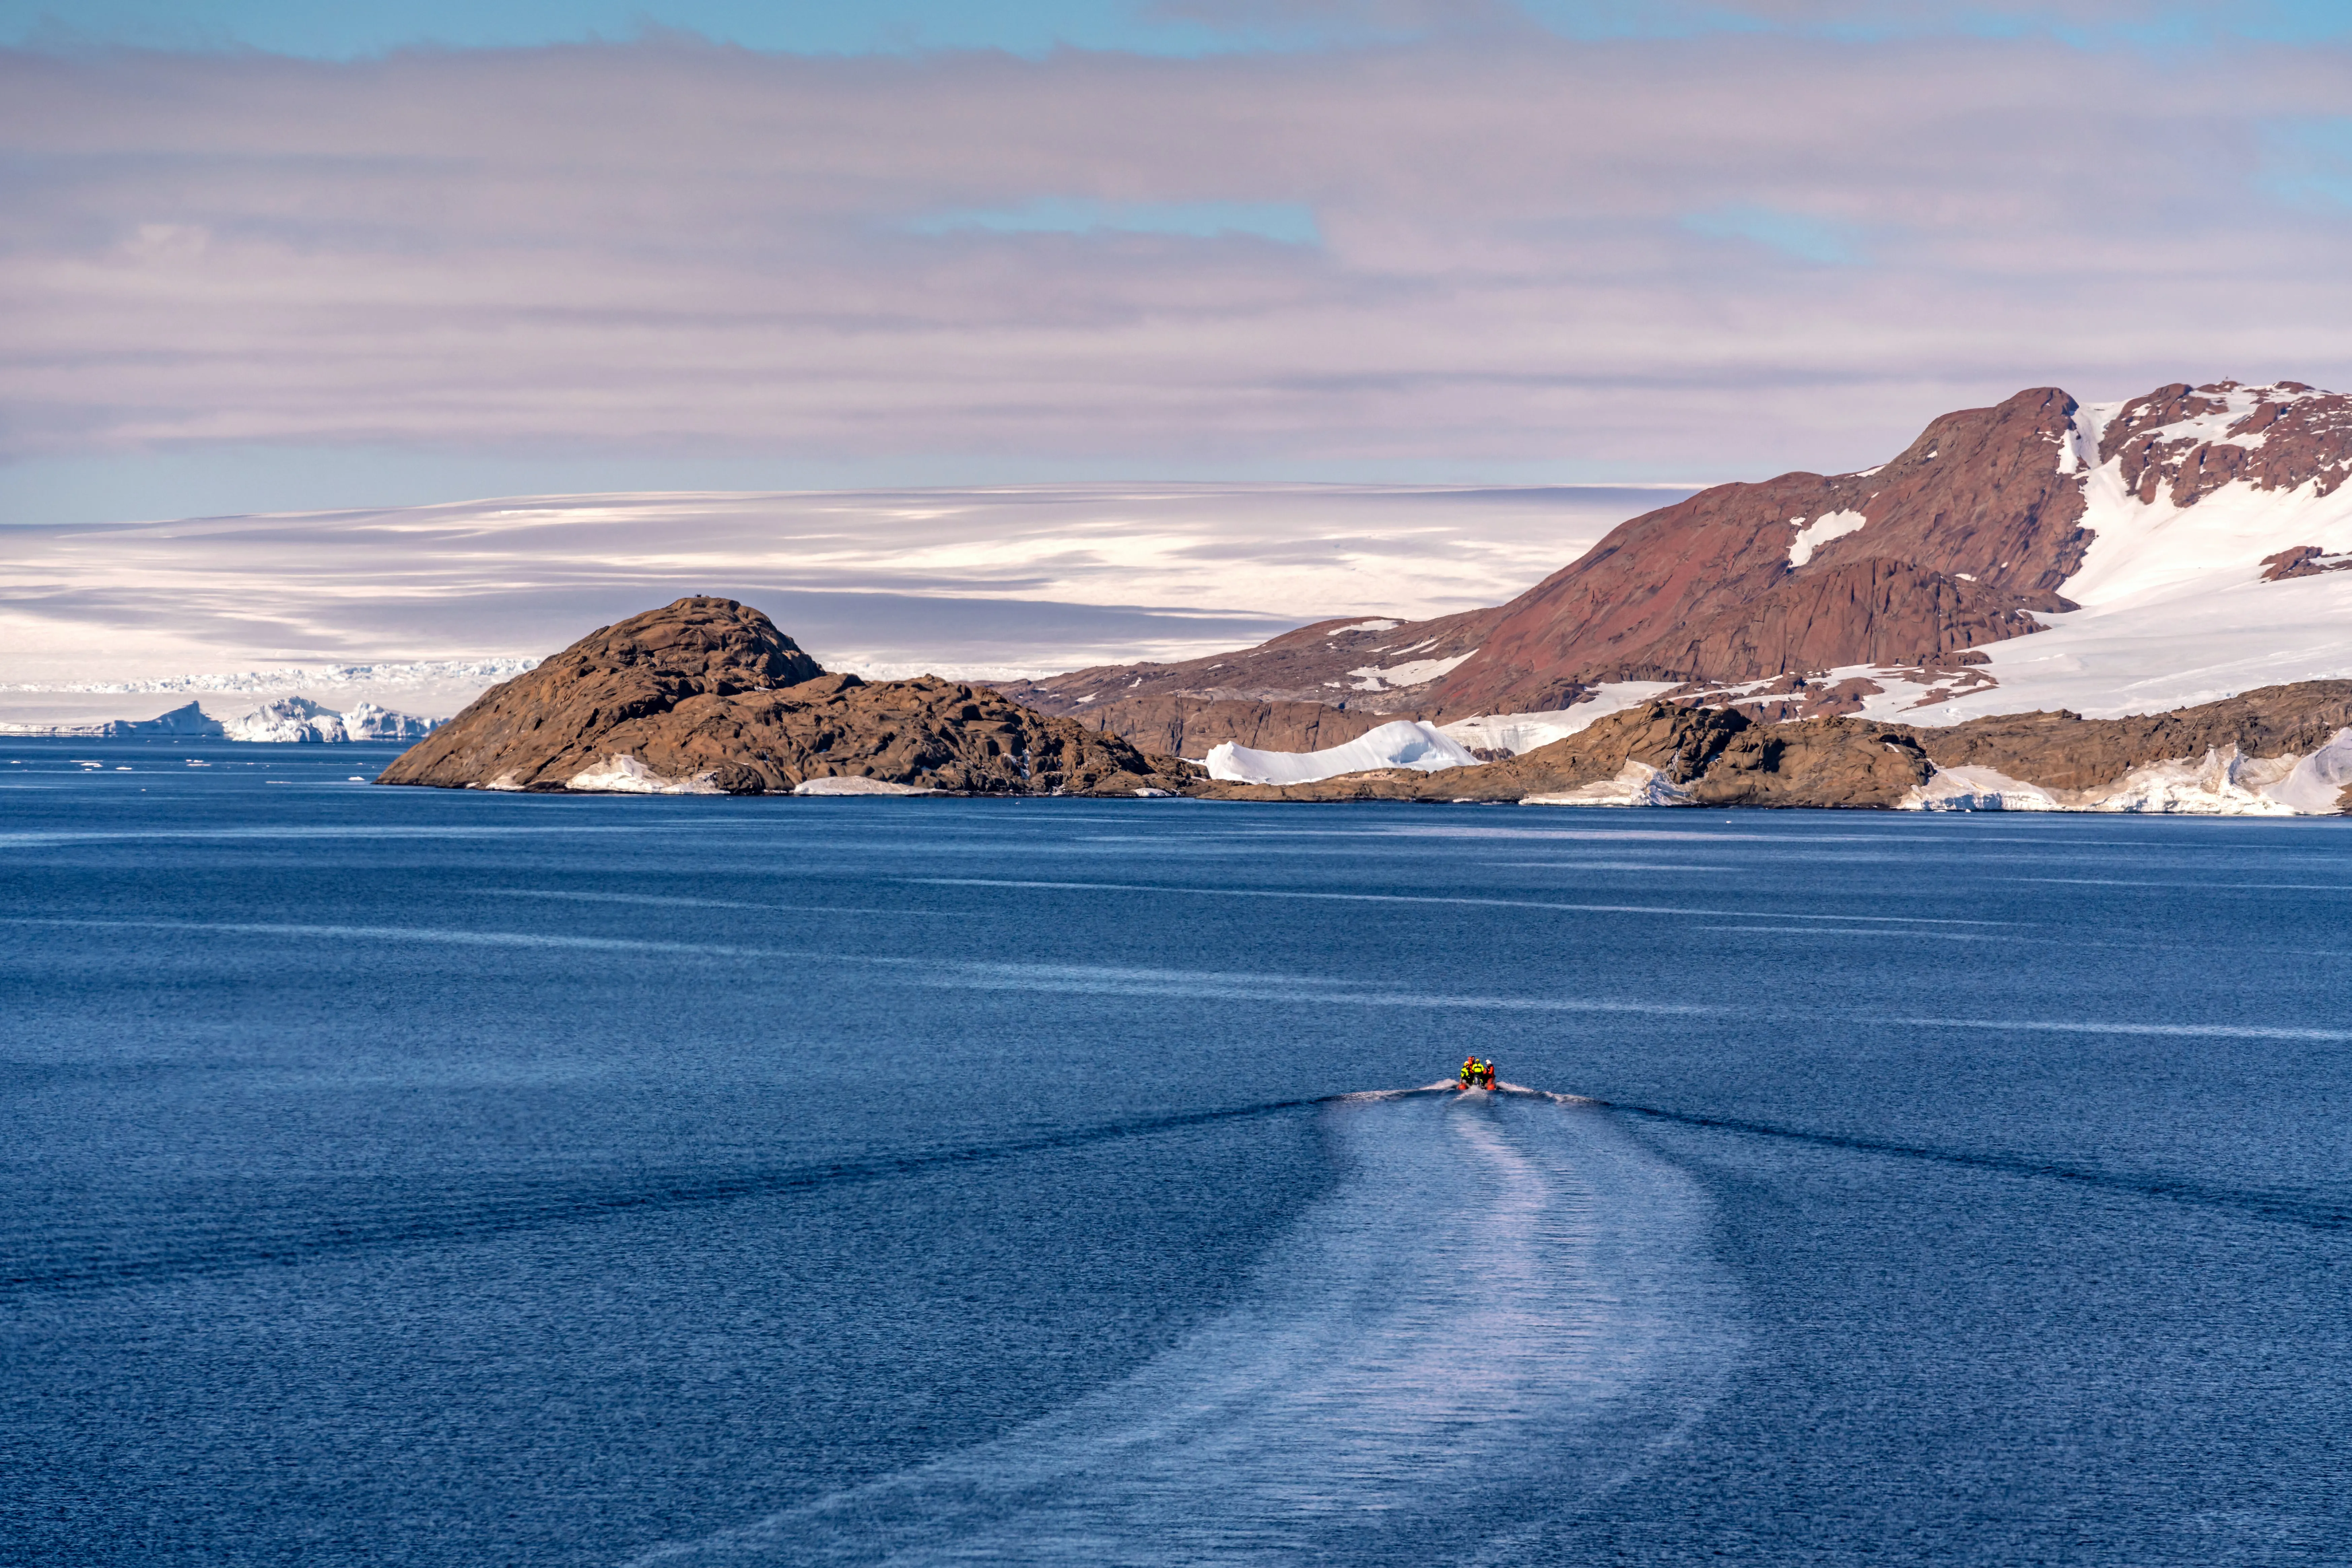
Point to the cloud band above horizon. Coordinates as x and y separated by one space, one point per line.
1497 250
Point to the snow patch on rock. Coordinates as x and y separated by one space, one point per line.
2317 782
619 775
1415 672
1812 536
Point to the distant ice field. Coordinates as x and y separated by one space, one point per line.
414 607
423 1177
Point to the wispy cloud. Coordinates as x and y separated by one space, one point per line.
1284 223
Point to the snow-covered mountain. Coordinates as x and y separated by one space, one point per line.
2219 533
2118 558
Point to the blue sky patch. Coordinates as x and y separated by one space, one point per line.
336 29
1793 234
2309 161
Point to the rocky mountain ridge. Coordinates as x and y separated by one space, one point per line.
1829 590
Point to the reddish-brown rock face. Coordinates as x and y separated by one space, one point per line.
1953 544
1969 528
1873 611
1713 756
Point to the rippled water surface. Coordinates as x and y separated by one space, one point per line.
414 1177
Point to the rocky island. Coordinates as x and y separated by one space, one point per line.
705 696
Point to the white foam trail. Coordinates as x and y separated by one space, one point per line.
1505 1308
1288 989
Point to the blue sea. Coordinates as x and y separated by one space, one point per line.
398 1177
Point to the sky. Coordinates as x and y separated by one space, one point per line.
271 255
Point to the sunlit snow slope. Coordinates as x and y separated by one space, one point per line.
2176 608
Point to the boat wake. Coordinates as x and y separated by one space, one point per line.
1505 1309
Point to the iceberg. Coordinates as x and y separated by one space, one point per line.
300 721
370 722
1404 743
293 718
188 720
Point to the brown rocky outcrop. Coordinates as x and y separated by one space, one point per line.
2303 561
705 690
1190 726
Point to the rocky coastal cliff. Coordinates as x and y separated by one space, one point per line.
705 696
